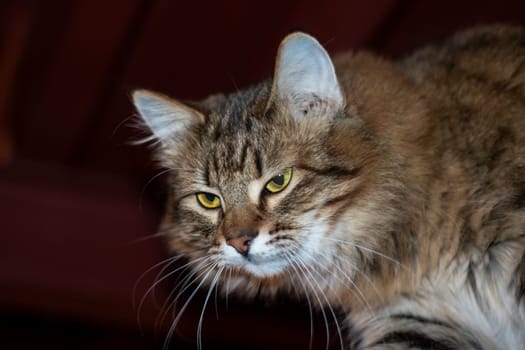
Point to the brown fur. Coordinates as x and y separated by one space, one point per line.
422 174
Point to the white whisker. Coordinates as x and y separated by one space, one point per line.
143 191
167 261
171 304
303 268
290 260
216 302
228 287
323 294
166 305
183 308
158 280
352 287
146 238
210 289
366 249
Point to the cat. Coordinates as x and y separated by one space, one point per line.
393 190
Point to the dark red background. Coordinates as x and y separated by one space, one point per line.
75 196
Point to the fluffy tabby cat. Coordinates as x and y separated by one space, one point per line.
392 190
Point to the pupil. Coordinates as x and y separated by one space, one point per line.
279 180
210 197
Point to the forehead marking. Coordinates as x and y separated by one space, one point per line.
254 191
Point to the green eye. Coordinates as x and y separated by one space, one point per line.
280 181
208 200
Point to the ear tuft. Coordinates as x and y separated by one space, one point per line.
304 78
166 118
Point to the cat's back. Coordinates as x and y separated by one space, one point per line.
491 53
474 84
456 112
471 266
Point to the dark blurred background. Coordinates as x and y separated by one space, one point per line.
77 207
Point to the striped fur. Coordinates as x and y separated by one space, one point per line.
406 208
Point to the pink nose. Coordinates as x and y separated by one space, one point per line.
241 243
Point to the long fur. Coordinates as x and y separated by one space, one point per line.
406 206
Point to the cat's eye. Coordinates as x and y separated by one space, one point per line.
280 181
208 200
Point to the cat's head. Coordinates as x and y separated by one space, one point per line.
270 181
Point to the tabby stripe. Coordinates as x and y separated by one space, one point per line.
517 71
333 171
280 238
258 162
471 278
483 79
334 218
306 183
414 340
424 341
206 174
216 163
342 198
519 199
217 134
347 199
398 248
248 123
423 320
520 282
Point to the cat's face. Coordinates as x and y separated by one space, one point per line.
263 182
257 191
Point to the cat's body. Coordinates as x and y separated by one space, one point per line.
399 188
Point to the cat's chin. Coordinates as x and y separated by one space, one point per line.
258 263
259 268
264 269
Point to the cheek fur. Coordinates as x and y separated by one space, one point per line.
190 227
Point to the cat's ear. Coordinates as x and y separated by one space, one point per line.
167 119
304 78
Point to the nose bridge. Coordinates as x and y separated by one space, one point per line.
241 221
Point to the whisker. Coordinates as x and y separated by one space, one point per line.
288 257
228 287
143 191
152 287
366 249
184 284
146 238
366 278
167 261
170 304
181 310
353 287
122 122
338 328
216 295
201 318
303 268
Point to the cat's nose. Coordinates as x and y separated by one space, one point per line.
242 242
